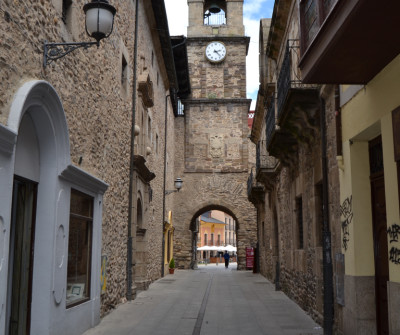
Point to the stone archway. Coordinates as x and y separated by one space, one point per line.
236 206
194 228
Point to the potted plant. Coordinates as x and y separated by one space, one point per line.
171 266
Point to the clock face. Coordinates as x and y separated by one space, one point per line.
216 52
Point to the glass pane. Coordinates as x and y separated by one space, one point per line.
81 204
79 249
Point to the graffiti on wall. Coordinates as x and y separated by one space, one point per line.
394 232
346 214
395 255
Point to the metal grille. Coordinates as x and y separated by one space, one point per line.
211 19
270 120
289 75
181 108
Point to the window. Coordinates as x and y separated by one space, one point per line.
149 134
156 143
124 72
212 239
226 237
319 217
219 240
205 239
139 214
79 248
66 11
299 213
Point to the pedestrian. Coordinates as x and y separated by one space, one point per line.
226 257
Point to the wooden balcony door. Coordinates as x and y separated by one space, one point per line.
379 234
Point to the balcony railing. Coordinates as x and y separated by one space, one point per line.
289 75
270 120
313 14
211 19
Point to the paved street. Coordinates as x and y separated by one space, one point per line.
209 301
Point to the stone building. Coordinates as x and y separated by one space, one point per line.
76 196
295 185
212 145
336 51
337 178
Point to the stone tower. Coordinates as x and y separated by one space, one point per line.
213 135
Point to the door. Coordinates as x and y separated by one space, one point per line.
21 257
380 235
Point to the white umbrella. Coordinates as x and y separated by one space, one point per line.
207 248
230 248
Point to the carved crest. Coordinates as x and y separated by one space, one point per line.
216 146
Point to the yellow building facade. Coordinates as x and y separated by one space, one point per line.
369 193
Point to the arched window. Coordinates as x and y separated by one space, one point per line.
139 214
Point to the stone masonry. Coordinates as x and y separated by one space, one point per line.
95 86
212 152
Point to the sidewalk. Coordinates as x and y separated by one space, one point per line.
209 301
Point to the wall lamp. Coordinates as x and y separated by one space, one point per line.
99 24
178 185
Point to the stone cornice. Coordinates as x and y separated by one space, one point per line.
79 177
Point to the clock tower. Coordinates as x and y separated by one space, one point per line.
215 150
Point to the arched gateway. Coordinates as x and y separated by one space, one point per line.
211 141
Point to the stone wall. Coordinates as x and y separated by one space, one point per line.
215 172
95 87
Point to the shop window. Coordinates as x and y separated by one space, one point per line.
79 248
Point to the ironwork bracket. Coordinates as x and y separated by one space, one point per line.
54 51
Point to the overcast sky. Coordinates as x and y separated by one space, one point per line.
254 10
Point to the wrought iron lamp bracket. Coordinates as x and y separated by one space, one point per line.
54 51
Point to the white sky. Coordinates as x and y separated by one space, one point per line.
254 10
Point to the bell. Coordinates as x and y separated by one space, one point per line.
214 9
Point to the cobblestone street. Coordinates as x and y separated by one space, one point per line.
211 300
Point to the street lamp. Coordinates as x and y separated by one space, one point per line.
99 24
178 185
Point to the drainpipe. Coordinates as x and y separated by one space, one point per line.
164 183
131 167
327 252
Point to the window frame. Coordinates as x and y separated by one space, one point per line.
90 226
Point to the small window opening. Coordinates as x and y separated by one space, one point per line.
124 72
66 10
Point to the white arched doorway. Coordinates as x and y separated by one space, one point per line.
36 212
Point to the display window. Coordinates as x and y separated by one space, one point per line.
79 248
